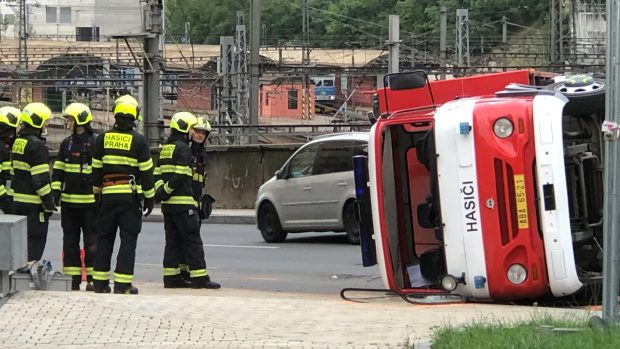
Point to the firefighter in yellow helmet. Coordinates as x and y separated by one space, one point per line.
181 220
72 186
9 118
199 166
123 175
32 193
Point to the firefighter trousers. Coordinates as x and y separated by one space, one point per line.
183 244
37 226
76 221
127 218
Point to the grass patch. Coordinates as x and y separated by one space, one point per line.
536 333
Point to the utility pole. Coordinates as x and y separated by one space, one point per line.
394 44
240 67
254 69
412 52
556 51
23 47
611 238
152 57
462 37
505 40
23 35
305 61
443 27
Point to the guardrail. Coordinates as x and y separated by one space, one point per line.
280 133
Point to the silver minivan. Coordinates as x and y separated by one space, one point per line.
314 190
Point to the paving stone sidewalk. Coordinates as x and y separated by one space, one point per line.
225 318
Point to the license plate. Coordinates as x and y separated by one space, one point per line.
521 201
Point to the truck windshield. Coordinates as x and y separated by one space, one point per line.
410 189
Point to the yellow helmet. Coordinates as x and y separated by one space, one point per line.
35 114
126 99
10 116
183 121
127 105
203 124
79 112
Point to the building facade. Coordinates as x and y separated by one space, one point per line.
74 20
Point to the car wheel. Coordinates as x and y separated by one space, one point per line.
351 222
269 224
585 96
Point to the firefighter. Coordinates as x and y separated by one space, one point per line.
174 189
9 118
122 175
199 166
32 193
199 135
72 186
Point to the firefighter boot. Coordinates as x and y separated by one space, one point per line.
101 286
185 275
123 288
89 283
204 282
76 280
176 281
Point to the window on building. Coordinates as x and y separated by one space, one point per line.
292 99
51 14
65 15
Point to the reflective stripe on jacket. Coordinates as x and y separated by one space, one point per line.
124 152
174 175
72 172
30 167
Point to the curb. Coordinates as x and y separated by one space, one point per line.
214 219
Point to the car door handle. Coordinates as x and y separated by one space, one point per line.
307 188
342 184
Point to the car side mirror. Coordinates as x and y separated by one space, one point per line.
281 174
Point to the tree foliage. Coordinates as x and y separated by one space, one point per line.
345 23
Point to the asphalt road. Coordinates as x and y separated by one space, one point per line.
237 257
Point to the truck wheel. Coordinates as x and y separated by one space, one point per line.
351 222
269 224
583 98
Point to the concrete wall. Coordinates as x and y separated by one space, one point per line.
235 173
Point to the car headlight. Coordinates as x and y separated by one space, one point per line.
516 274
503 128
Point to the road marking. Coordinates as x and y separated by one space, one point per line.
239 246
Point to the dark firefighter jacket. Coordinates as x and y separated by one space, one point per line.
5 167
72 174
174 175
199 163
31 173
122 166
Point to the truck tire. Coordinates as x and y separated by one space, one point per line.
269 224
582 100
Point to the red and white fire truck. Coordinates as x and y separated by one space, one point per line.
488 187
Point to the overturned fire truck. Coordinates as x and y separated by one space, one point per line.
489 187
